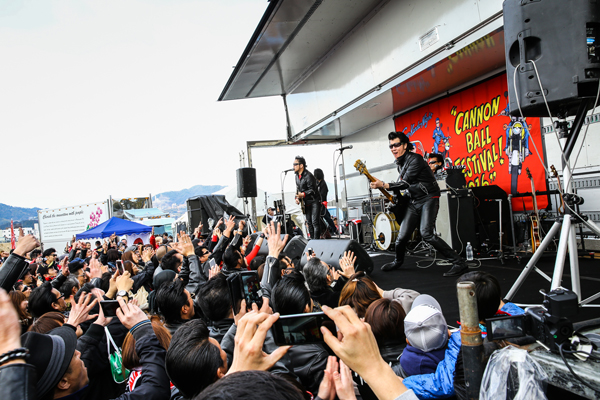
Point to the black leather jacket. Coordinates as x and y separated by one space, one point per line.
323 190
11 270
415 176
307 184
17 382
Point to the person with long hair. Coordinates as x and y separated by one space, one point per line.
360 291
19 301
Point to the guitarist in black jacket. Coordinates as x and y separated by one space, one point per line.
306 189
417 178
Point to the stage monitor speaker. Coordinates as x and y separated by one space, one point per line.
332 250
560 37
264 247
246 182
487 214
455 222
295 247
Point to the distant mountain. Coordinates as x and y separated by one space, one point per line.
175 202
16 213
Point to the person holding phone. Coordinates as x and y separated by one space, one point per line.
291 297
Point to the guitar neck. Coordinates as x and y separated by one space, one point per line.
383 191
535 207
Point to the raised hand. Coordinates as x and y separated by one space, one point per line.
80 311
124 282
130 314
26 244
276 244
356 346
10 329
95 269
187 247
147 254
347 264
249 339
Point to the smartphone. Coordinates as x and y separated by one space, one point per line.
299 329
309 251
109 307
212 263
119 264
245 285
251 290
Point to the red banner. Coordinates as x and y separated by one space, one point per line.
13 244
472 128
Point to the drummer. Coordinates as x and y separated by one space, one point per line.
417 178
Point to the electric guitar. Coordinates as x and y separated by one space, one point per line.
534 217
362 169
561 209
301 203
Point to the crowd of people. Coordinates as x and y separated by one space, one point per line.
175 335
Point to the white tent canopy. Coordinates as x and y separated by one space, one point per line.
263 201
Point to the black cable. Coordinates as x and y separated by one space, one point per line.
560 350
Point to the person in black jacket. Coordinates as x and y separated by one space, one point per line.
306 188
417 178
323 191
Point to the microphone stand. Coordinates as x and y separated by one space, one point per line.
282 178
337 205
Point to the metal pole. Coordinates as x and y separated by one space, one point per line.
337 201
472 343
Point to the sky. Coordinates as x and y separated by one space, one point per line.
119 98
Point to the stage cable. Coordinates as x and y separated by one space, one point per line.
567 164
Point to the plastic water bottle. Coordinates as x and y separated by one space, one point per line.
469 252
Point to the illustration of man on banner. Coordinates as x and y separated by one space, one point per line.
438 136
517 148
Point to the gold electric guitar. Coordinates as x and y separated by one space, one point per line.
362 168
534 217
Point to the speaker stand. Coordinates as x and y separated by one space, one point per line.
568 240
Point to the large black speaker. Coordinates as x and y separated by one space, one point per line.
455 222
196 214
560 37
332 250
246 182
295 248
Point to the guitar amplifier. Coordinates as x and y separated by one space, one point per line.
455 222
367 230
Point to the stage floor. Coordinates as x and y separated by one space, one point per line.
430 280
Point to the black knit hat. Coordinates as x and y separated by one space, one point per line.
51 355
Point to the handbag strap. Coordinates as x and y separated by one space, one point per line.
109 341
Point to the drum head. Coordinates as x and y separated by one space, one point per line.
386 230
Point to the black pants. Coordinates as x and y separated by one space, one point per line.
425 211
313 213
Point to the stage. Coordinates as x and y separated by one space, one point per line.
430 280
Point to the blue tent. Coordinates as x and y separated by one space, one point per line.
114 225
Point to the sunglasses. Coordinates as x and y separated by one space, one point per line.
395 145
432 162
295 164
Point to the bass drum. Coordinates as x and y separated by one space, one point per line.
386 230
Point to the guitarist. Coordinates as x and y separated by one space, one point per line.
424 192
306 189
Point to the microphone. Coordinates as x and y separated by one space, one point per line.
288 170
345 148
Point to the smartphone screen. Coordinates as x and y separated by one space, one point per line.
212 263
120 266
109 307
301 329
252 292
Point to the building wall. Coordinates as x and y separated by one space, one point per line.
385 45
